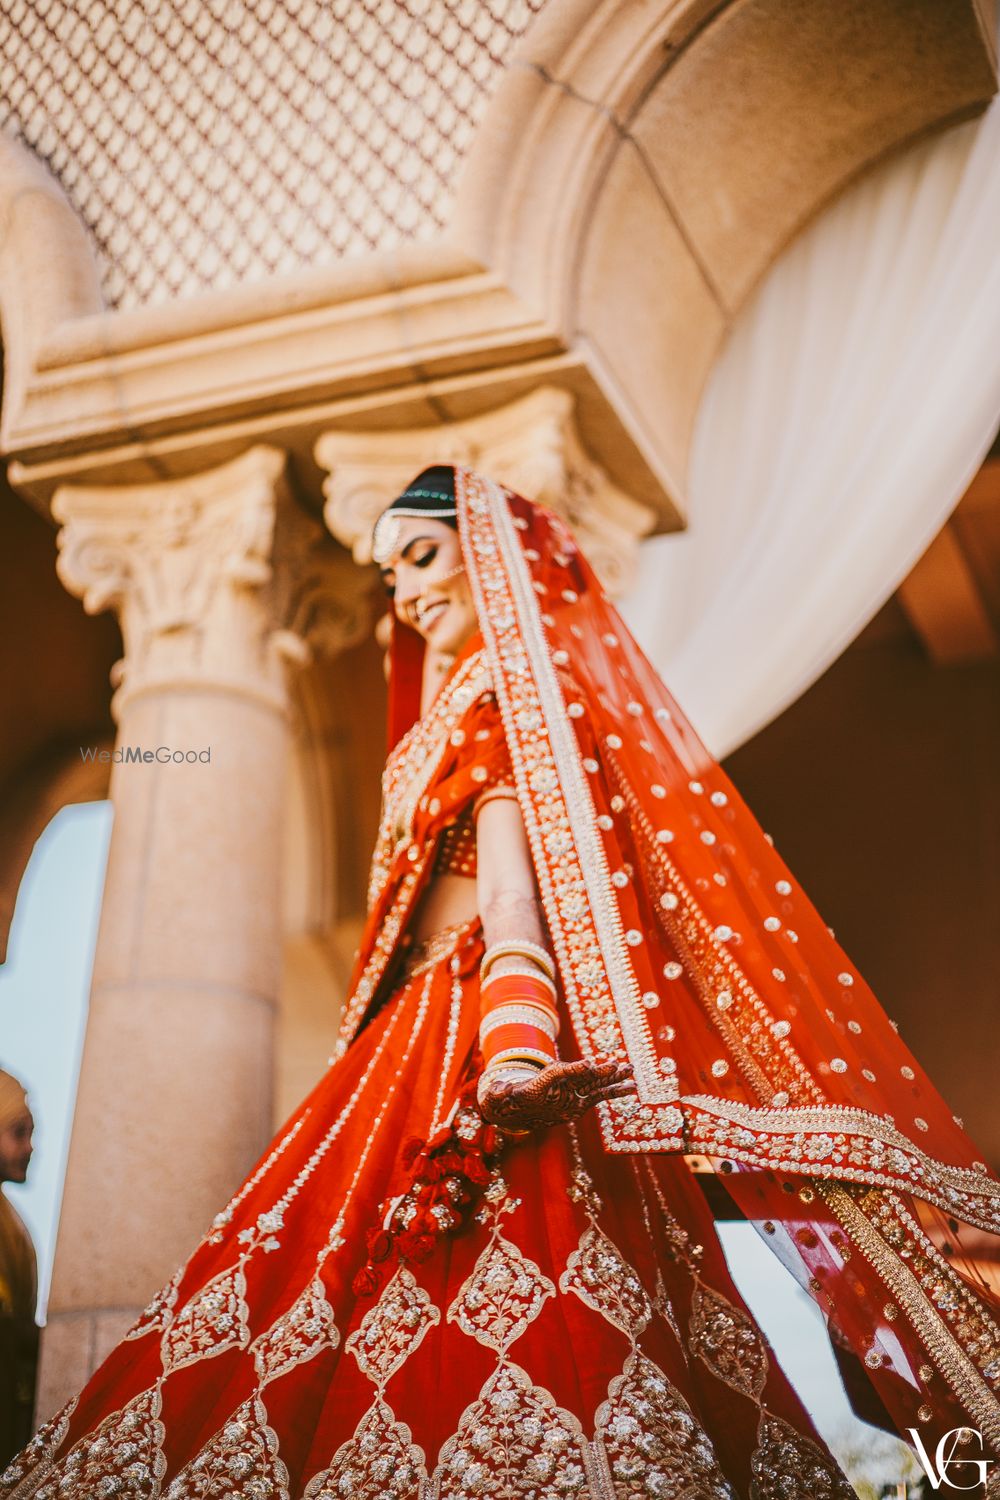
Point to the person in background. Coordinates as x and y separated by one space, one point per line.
18 1277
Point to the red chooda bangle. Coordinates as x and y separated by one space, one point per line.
520 989
515 1035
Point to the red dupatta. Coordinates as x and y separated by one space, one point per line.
685 944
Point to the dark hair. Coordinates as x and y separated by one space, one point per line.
433 489
432 493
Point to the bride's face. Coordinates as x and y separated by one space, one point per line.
426 580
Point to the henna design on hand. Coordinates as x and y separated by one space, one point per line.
556 1094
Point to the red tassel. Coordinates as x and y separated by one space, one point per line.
448 1171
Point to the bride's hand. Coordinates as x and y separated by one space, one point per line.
560 1092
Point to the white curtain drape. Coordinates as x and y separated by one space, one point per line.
856 397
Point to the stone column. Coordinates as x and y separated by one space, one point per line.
533 445
217 579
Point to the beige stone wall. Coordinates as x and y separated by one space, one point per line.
224 588
208 145
632 173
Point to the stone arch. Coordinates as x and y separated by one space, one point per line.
689 143
62 681
55 663
38 292
34 798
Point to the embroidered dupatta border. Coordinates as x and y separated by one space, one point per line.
598 977
598 980
832 1141
959 1371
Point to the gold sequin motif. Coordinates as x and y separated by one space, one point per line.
239 1463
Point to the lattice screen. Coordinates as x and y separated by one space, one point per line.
207 142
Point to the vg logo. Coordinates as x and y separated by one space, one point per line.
946 1457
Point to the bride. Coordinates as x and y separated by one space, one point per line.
475 1262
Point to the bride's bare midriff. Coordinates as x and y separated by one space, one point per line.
448 900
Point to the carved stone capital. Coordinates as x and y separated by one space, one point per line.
531 445
219 578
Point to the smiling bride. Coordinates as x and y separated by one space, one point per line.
475 1261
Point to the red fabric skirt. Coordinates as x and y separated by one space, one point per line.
579 1336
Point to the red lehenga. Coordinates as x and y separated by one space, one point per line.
400 1303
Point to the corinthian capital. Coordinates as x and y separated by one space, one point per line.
218 578
531 445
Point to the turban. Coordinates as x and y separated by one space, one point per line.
13 1100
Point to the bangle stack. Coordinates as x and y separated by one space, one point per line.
518 1019
520 948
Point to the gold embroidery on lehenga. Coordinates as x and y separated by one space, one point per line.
728 1342
505 1290
221 1222
122 1457
216 1318
455 1009
156 1316
647 1440
391 1330
380 1462
419 752
429 953
787 1463
213 1321
25 1473
239 1463
514 1443
677 1240
599 1275
412 764
664 1308
305 1330
302 1333
784 1462
382 950
652 1444
597 1272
